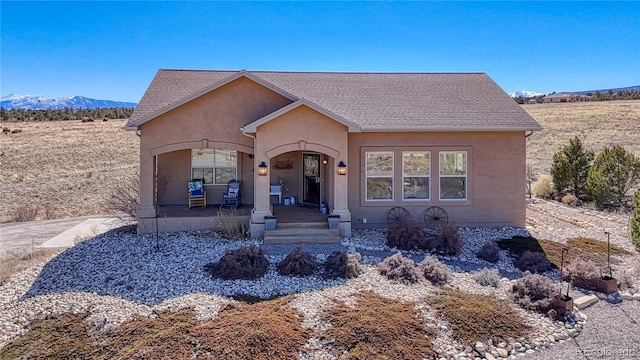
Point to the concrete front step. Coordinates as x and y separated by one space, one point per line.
298 235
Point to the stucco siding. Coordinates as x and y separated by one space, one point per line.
495 177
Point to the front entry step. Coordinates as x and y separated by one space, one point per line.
284 234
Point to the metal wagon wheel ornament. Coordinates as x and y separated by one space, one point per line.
435 218
397 214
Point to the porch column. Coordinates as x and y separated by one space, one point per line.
262 205
340 196
146 210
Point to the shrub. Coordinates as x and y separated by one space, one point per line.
582 273
448 242
628 277
434 271
397 267
407 235
614 172
249 262
342 265
635 220
570 200
489 252
533 292
487 277
230 224
570 168
533 262
542 188
299 262
123 196
26 213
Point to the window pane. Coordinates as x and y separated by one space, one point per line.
453 163
206 174
453 187
415 188
226 157
224 175
415 163
202 157
379 163
379 188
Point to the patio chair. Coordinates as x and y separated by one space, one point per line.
232 197
197 195
276 190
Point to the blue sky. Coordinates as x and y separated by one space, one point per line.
112 50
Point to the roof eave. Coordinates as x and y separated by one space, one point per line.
453 129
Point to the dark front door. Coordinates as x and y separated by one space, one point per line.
311 177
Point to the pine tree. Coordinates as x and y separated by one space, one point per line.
570 168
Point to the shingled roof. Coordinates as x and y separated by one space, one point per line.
370 101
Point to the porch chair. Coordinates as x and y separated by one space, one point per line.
197 195
232 196
276 190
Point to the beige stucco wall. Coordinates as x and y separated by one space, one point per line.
210 121
495 179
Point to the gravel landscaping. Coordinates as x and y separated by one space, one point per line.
118 275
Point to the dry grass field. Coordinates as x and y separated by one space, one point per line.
67 168
598 124
63 168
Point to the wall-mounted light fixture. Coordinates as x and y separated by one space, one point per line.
342 168
324 161
262 169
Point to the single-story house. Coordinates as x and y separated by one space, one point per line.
354 144
565 97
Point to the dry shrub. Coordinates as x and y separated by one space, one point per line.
342 265
595 246
489 252
266 330
543 188
582 273
448 242
533 292
26 213
249 262
629 277
298 262
230 225
396 267
487 277
405 234
50 212
570 200
434 271
378 328
533 262
14 262
122 197
491 318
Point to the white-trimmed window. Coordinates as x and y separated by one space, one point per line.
379 175
214 166
453 175
416 167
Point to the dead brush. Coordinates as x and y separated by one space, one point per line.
123 195
448 242
249 262
401 269
407 235
489 252
493 319
582 273
434 271
487 277
230 225
26 213
533 292
378 328
298 262
533 262
342 265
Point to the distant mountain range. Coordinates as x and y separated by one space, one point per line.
530 94
27 102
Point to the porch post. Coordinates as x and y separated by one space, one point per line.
340 197
146 210
261 207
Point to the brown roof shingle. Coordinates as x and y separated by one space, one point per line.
372 101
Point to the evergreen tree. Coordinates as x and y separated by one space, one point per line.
570 168
635 220
614 172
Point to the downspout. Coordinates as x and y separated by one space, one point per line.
529 134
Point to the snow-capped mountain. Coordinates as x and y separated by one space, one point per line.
27 102
525 94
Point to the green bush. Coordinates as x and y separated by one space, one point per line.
570 168
614 172
635 220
